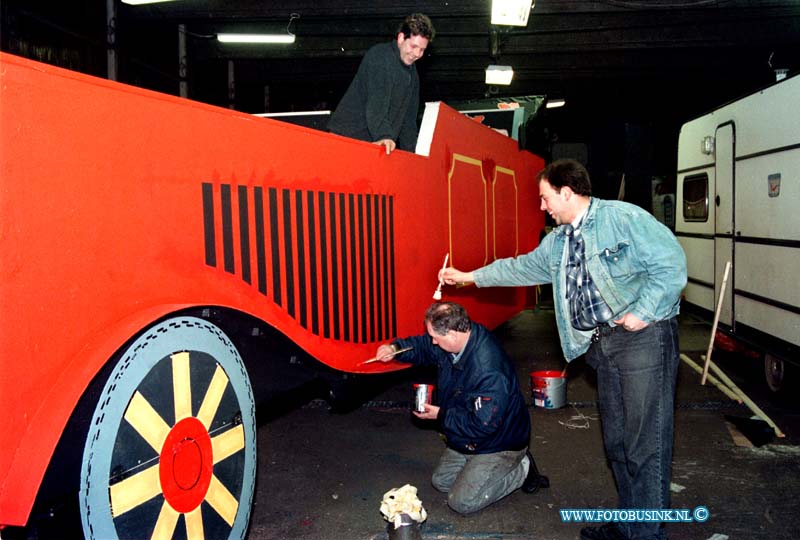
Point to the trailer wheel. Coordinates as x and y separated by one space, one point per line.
774 372
171 447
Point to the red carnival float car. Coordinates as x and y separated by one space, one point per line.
162 262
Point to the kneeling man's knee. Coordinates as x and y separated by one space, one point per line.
442 482
464 505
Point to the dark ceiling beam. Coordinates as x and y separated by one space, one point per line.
568 45
573 34
242 9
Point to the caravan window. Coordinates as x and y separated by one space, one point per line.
695 198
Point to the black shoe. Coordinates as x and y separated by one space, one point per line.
609 531
534 480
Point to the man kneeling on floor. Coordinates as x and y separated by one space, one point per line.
481 410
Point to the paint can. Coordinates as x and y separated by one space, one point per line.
408 529
549 389
423 393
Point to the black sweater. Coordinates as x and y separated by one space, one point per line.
382 101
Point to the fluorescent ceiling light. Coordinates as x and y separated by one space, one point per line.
511 12
553 103
256 38
499 75
140 2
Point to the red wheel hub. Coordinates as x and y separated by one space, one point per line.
186 465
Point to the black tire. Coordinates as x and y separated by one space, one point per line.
774 372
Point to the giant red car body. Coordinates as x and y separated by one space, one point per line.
128 218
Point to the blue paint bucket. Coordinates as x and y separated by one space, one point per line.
549 389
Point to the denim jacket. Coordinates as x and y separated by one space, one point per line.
637 263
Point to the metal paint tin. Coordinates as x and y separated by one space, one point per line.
549 389
423 393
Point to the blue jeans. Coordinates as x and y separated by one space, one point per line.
636 374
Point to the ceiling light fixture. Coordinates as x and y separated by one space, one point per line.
288 37
556 102
511 12
256 38
499 75
141 2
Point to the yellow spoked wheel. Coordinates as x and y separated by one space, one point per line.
171 449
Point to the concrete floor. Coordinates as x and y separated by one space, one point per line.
322 475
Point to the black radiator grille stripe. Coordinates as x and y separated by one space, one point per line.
331 255
361 270
301 255
276 255
370 271
287 243
227 229
208 225
261 255
384 251
393 306
244 233
353 272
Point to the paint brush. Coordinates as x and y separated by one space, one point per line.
386 355
437 294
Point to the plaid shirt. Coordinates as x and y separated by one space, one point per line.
587 307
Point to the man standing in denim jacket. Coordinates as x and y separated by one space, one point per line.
617 276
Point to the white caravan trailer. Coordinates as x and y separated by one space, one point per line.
738 200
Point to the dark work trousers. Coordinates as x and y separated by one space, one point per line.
636 374
474 481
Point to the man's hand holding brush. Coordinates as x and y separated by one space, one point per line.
451 276
385 353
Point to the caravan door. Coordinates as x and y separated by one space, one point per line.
724 226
